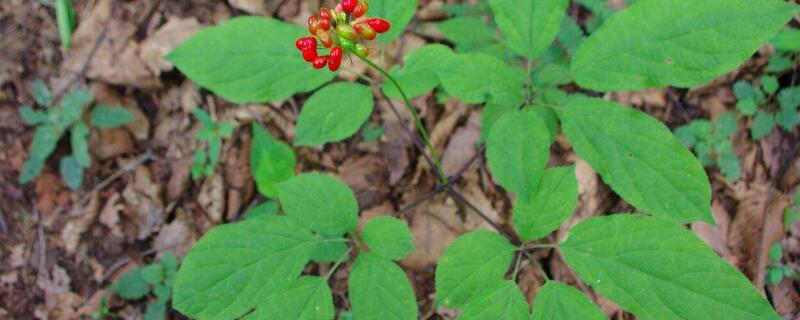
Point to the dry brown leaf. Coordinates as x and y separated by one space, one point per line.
397 142
717 236
785 298
109 215
175 237
212 197
110 143
256 7
143 203
462 145
116 60
82 216
164 40
651 97
365 175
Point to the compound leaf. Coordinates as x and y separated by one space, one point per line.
380 290
478 78
248 59
307 298
79 135
234 267
388 237
321 202
660 43
271 161
639 158
334 113
472 262
517 149
558 301
554 201
71 171
529 27
397 12
105 116
498 301
659 270
418 74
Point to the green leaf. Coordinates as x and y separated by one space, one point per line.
660 43
789 98
725 125
388 237
170 264
770 84
41 93
529 27
263 210
234 267
729 166
380 290
491 113
397 12
517 149
204 118
498 301
132 285
472 262
744 90
328 251
571 35
558 301
477 78
32 117
321 202
763 123
307 298
72 106
544 210
787 40
44 142
371 131
106 116
775 275
226 129
787 119
333 113
639 158
153 273
248 59
686 135
467 31
659 270
65 18
418 74
747 106
71 171
214 150
776 252
779 63
79 136
271 161
155 311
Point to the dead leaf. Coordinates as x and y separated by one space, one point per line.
212 197
143 203
82 216
365 175
256 7
109 215
110 143
175 237
716 237
462 144
397 142
785 298
164 40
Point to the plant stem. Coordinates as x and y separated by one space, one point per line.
338 262
420 126
517 265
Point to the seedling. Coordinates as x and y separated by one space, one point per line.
712 143
51 124
153 280
777 271
649 264
757 101
206 159
65 18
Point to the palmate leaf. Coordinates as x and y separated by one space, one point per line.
478 78
558 301
474 261
529 27
659 270
639 158
307 298
333 113
380 290
248 59
320 202
659 43
271 161
237 266
517 149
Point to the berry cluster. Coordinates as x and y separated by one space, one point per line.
340 30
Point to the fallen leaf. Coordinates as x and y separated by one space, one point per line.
256 7
212 197
81 217
164 40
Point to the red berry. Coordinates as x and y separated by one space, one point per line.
310 54
335 58
313 24
306 43
324 24
325 14
361 9
320 62
349 5
379 25
365 31
324 38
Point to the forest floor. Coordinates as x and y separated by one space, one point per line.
60 249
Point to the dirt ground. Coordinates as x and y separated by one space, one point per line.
60 249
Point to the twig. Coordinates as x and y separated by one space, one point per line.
460 173
439 189
537 265
458 197
85 67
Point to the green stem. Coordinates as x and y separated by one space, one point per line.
338 262
418 121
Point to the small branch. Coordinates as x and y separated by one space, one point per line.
537 265
460 198
338 262
439 189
